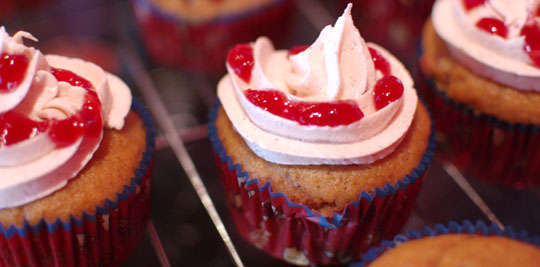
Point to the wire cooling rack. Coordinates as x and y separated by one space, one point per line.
190 224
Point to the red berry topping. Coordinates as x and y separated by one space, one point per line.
65 132
493 26
380 63
306 113
91 113
240 58
15 127
470 4
387 90
12 70
87 121
67 76
297 49
531 31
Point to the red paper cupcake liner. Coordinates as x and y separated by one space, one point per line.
202 46
298 235
466 227
103 238
484 146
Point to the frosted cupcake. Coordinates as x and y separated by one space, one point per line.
467 244
75 161
196 35
481 59
322 148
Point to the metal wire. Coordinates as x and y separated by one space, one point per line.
157 107
460 180
156 243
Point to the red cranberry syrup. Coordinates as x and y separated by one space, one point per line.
304 112
493 26
380 63
531 31
12 70
240 58
470 4
297 49
387 90
86 121
16 127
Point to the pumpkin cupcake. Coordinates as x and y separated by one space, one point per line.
322 148
467 244
75 161
481 62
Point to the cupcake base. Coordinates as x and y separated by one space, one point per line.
478 228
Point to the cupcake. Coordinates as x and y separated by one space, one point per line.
75 160
196 35
322 148
481 62
457 245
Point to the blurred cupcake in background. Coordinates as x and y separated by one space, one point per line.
465 244
196 35
8 8
481 60
394 24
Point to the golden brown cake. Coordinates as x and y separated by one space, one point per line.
110 169
460 250
328 188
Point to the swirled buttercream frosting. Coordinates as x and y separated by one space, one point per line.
53 110
337 101
495 39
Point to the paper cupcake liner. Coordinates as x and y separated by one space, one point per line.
466 227
103 238
202 46
484 146
298 235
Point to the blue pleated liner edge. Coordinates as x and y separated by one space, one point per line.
467 110
336 219
466 227
175 18
139 173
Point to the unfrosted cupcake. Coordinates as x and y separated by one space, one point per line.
75 161
322 148
481 60
196 35
456 245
